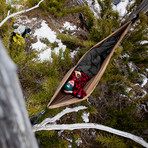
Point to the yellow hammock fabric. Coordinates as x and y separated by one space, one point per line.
62 99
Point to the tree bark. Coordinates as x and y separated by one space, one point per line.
141 8
15 127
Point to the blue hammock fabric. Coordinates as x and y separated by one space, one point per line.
116 2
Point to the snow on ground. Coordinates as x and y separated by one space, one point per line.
94 7
121 7
14 3
44 32
128 89
24 20
85 117
124 56
69 26
131 66
78 141
144 80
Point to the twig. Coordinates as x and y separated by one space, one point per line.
58 116
23 11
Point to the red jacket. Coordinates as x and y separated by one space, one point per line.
79 84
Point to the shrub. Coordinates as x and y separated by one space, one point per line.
70 41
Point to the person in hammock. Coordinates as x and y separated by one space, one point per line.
88 68
75 84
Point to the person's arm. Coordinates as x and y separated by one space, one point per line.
68 92
77 73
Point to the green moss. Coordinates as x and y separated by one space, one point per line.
70 41
32 3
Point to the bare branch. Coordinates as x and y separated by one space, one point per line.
23 11
58 116
91 125
47 124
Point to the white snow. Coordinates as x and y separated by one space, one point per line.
144 81
14 3
85 117
144 107
78 141
74 52
131 66
69 26
124 56
121 7
143 95
94 7
24 20
45 55
45 32
128 89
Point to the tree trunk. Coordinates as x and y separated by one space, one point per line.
141 8
15 127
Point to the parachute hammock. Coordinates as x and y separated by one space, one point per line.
60 98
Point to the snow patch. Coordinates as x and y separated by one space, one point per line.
69 26
24 20
74 52
85 117
60 132
131 66
128 89
78 141
46 33
144 81
121 7
124 56
94 7
142 96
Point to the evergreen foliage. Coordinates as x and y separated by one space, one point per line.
55 140
39 80
106 24
111 141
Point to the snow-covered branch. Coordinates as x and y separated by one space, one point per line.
23 11
88 126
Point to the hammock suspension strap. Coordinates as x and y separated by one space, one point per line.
39 115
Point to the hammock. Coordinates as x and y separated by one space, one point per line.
60 98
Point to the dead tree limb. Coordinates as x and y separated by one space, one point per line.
20 12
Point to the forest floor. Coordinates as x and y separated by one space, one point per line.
73 26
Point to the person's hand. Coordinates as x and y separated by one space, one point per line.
77 74
68 92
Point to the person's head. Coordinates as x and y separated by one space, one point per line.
69 85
